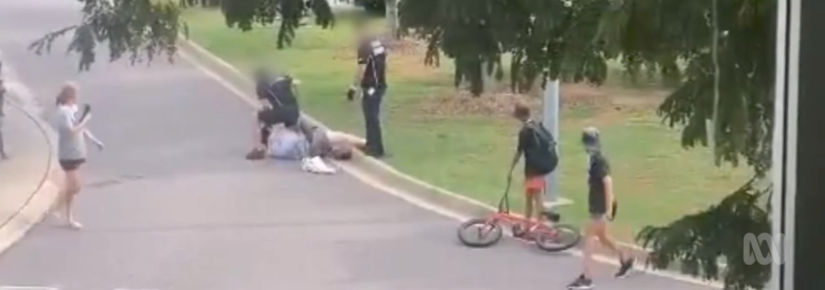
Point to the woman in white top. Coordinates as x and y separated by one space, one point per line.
72 133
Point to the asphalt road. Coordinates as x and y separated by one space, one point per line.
171 204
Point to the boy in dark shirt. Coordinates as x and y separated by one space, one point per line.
537 164
279 106
601 206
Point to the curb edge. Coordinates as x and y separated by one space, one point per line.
39 202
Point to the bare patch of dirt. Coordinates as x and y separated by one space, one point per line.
607 104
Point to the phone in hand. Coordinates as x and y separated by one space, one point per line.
86 110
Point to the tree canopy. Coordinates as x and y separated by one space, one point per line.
719 53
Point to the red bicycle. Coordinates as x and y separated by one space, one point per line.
551 237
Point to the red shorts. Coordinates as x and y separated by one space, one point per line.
534 184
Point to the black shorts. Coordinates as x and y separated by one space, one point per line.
71 164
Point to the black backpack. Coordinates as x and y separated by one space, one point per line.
546 145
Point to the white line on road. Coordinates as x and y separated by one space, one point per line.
400 194
27 288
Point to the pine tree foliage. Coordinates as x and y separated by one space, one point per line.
144 29
666 32
554 37
138 29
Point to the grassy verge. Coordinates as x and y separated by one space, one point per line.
656 180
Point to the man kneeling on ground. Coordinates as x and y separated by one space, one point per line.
279 105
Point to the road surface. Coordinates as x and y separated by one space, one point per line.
171 203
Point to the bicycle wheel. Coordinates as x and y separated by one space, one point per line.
558 237
479 233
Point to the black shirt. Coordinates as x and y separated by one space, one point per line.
279 93
599 169
529 145
373 55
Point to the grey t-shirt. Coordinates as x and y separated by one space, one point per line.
70 145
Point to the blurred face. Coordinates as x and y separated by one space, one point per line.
590 145
68 95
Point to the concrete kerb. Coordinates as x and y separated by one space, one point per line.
361 165
40 201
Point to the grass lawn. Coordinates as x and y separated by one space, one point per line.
656 180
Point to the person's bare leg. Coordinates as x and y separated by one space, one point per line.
538 204
528 210
59 206
589 248
607 242
73 190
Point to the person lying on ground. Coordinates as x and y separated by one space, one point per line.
326 143
279 105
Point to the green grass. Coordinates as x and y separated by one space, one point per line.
656 180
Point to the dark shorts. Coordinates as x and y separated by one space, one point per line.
600 213
71 164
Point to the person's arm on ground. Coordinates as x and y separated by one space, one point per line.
337 137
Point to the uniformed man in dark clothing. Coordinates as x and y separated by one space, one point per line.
600 195
371 81
279 105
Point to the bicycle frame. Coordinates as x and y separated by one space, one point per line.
503 214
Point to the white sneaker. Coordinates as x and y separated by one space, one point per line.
73 224
305 166
317 165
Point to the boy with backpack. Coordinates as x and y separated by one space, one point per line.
538 146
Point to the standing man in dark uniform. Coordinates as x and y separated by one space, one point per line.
372 82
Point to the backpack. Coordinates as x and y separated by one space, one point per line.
547 146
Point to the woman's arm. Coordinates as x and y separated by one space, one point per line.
68 122
91 137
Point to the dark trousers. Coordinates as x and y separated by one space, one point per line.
371 106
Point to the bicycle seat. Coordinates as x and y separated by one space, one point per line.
552 216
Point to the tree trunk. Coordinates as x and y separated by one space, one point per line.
489 78
392 18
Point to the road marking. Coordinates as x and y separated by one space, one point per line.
398 193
